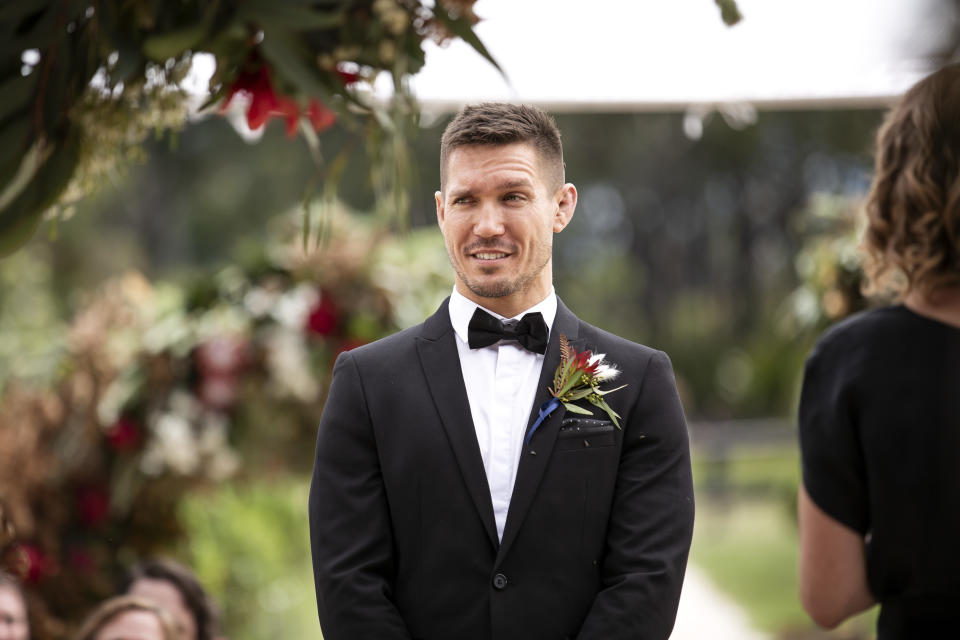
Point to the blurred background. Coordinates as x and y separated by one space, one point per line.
166 343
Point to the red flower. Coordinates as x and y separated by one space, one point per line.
348 77
124 435
93 502
320 117
581 362
323 317
266 104
34 564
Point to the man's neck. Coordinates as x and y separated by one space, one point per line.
507 306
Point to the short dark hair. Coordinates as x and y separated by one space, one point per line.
913 209
501 123
194 596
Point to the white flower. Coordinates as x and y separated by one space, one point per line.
172 447
293 307
605 370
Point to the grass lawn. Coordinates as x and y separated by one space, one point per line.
746 540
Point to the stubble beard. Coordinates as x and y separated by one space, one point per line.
505 286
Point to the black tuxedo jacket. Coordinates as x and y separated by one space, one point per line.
401 521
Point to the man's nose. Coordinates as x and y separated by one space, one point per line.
489 221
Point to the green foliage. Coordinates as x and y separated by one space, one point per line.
249 545
746 540
76 73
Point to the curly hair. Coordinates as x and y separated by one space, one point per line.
912 238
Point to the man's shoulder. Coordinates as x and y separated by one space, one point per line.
597 339
394 345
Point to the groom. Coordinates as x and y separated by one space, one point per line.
437 511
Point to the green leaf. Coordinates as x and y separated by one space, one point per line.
271 14
578 395
20 218
601 392
17 92
602 404
14 142
577 409
462 28
729 12
289 62
174 44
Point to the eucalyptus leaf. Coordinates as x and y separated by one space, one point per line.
20 218
271 14
573 408
14 140
290 63
579 394
17 92
173 44
462 28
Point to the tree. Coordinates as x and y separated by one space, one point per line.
85 83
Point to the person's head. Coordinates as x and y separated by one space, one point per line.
913 210
128 618
14 624
502 197
175 588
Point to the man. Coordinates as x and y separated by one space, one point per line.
443 505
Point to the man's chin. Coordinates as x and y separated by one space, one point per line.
492 289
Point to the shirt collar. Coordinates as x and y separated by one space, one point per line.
462 309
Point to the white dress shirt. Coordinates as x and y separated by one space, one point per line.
501 382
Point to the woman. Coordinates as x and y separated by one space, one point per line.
175 588
128 618
879 507
14 624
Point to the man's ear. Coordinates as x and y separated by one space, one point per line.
438 196
566 204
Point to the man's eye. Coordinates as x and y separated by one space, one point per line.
513 197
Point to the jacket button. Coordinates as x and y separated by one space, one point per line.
499 582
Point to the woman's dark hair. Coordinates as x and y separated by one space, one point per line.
194 596
912 237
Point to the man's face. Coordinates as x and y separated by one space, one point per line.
498 216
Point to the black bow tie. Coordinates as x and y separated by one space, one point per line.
531 331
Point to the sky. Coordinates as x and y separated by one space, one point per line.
646 54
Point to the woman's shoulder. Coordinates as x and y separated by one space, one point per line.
869 325
859 334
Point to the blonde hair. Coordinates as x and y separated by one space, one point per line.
912 237
110 609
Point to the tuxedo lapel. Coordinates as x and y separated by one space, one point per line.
441 367
535 456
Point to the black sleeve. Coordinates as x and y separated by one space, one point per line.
350 531
832 457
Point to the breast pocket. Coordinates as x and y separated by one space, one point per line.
584 434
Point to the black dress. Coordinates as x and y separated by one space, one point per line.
880 444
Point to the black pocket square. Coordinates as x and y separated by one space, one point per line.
579 434
574 427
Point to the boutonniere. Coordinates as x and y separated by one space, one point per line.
579 377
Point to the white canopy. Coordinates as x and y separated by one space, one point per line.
629 55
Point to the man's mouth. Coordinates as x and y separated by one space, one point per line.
490 255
